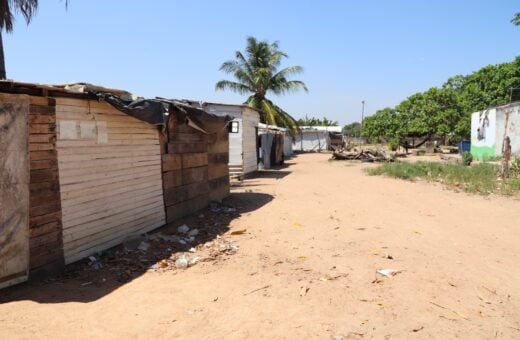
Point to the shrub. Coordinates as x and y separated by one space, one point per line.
393 144
514 169
467 158
481 178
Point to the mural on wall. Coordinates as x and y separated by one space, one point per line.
483 134
483 124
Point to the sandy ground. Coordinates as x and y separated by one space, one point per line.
317 231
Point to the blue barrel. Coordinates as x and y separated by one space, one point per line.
464 146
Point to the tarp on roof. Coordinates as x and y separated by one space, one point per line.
198 118
151 111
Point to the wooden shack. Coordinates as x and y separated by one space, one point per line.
195 161
79 175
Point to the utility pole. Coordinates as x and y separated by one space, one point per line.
362 116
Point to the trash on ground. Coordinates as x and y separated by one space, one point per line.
415 330
193 232
304 290
181 263
131 243
95 262
388 272
256 290
367 155
183 229
143 246
238 232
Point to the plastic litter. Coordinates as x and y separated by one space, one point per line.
183 229
182 262
388 272
143 246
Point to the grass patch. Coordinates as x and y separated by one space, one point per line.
482 178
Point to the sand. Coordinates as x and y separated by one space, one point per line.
317 231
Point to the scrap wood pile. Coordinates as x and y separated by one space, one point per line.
366 155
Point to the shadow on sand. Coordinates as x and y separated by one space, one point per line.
83 282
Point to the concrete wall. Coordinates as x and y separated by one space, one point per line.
488 128
513 128
483 134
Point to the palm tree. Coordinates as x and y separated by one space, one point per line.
516 19
7 9
257 73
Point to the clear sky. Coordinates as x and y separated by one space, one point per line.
380 51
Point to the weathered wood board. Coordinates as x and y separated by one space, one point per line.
14 189
110 176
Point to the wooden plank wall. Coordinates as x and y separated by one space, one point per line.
14 189
218 168
45 222
110 176
195 169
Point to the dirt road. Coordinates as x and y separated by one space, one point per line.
317 231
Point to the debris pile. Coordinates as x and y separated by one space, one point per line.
204 252
366 155
203 238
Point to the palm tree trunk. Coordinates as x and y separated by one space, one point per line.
2 59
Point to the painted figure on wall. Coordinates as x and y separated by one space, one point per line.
483 124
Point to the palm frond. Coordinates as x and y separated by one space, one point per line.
257 71
233 86
516 19
8 7
288 71
287 86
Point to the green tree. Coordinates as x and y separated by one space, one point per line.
385 123
447 111
257 72
490 86
352 129
516 19
312 121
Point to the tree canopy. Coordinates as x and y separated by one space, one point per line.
352 129
257 73
446 111
312 121
516 19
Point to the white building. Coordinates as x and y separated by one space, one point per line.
313 138
242 136
489 127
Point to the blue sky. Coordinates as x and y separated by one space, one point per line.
378 51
